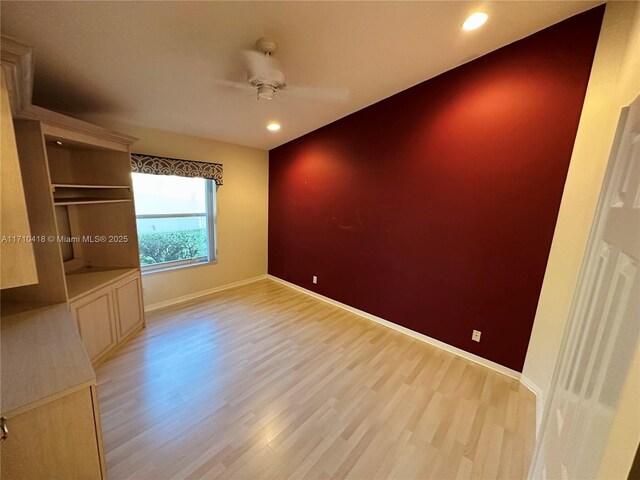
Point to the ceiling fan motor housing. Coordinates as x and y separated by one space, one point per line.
267 86
267 82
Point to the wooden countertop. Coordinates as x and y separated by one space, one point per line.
42 357
87 279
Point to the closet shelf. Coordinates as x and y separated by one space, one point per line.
88 201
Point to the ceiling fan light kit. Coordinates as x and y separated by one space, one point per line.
266 92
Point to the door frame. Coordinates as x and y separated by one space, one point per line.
573 322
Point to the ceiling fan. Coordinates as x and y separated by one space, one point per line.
265 76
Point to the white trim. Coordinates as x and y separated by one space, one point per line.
537 391
192 296
418 336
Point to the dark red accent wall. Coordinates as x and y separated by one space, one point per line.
435 208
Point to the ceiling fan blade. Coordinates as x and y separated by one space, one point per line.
317 93
230 83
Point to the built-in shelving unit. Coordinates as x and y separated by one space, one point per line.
79 192
87 295
72 185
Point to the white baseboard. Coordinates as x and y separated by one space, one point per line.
192 296
419 336
535 389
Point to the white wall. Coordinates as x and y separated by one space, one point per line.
614 83
242 212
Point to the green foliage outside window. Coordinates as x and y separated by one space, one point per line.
160 247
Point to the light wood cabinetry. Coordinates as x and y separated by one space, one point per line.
31 150
70 298
96 322
129 311
18 266
48 398
81 195
39 445
108 315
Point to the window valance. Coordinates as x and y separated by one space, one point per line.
142 163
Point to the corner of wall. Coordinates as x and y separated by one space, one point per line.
612 86
540 400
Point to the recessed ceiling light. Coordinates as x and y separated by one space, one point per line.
273 126
475 20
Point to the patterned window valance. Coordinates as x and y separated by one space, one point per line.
142 163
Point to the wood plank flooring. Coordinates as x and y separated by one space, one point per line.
264 382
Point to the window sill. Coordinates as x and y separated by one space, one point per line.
169 268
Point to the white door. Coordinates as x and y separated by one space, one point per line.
602 331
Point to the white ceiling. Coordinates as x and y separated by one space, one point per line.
155 63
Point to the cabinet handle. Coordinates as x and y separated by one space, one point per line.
5 430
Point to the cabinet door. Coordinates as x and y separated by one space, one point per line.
96 322
18 261
127 296
57 440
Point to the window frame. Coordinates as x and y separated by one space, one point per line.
211 216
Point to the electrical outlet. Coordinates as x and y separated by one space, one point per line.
315 280
475 336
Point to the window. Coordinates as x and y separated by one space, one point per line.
176 220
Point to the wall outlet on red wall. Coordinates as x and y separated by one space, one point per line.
315 280
475 336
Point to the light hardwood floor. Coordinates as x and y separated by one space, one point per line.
265 382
